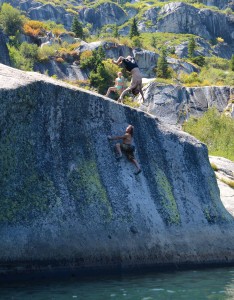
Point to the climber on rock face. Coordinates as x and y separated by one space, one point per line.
136 82
127 147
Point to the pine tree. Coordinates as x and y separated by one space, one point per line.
162 65
232 62
116 32
191 47
153 41
100 79
11 19
77 28
133 29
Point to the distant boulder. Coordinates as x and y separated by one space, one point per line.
179 17
223 50
103 14
174 104
221 4
53 13
204 48
68 38
180 66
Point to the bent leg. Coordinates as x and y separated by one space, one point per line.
111 89
134 161
124 92
118 149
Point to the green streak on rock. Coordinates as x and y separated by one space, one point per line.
85 184
25 191
168 201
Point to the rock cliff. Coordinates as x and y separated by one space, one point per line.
4 53
180 17
174 103
66 202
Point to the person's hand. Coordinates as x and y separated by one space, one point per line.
113 61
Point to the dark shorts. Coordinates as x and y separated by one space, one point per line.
128 150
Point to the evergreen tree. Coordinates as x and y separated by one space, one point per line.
100 79
153 41
162 65
232 62
116 32
133 29
77 28
11 19
191 47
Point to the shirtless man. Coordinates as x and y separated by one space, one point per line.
136 82
127 147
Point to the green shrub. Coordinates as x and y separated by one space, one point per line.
190 78
46 52
29 51
199 60
24 56
11 19
137 42
217 63
100 79
215 130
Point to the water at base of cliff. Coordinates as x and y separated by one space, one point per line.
194 284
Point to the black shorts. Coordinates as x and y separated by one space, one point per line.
128 150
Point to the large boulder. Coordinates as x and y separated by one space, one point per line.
65 202
62 70
103 14
224 171
180 17
174 103
221 4
51 12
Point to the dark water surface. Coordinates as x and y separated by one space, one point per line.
194 284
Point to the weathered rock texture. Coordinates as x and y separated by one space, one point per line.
182 18
65 201
224 174
4 53
104 13
174 103
53 13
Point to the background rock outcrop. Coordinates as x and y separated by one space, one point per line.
224 171
175 104
105 13
53 13
66 202
180 17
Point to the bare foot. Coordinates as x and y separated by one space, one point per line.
138 172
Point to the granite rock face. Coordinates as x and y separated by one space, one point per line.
4 53
224 174
66 202
179 17
105 13
53 13
174 103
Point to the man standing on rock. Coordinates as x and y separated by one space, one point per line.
136 82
